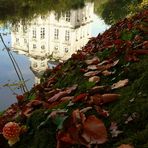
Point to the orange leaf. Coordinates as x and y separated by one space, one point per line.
94 131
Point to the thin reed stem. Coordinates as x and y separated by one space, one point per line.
16 67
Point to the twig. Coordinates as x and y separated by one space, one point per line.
16 66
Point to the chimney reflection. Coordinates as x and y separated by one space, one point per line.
52 37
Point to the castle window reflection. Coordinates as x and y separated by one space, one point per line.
34 33
56 34
42 33
56 16
43 47
17 41
42 64
66 50
34 46
34 65
67 35
68 16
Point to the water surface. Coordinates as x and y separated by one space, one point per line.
37 44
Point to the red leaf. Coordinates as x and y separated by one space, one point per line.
80 97
65 137
20 98
118 42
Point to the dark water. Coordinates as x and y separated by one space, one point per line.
38 44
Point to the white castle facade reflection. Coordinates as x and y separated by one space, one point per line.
53 35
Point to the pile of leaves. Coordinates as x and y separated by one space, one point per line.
98 97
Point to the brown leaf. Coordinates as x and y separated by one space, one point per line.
99 89
52 92
62 94
94 131
65 137
67 98
106 73
94 60
92 67
91 73
120 84
84 110
125 146
107 98
94 79
98 99
101 111
114 129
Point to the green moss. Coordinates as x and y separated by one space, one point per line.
38 137
133 102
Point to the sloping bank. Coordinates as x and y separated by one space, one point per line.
98 98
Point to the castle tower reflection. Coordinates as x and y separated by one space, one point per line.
52 37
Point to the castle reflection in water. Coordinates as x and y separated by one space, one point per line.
55 35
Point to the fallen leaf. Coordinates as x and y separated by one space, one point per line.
94 131
125 146
114 130
84 110
107 98
94 79
62 94
99 89
106 73
91 73
80 97
94 60
92 67
120 84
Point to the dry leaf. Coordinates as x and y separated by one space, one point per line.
120 84
62 94
106 73
91 73
94 79
94 60
94 131
114 129
107 98
125 146
92 67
